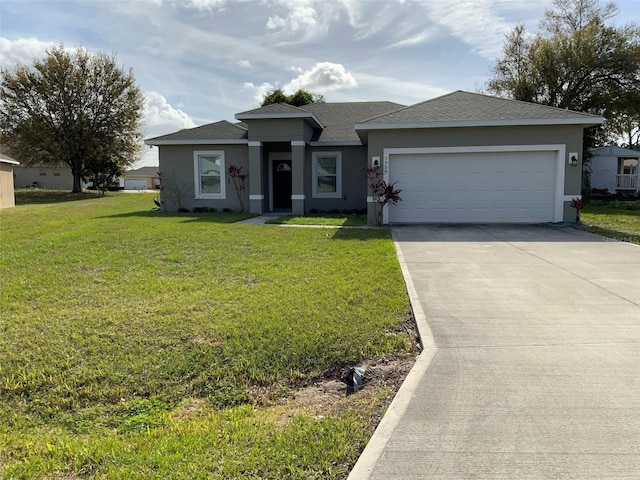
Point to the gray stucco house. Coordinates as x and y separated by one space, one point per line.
461 157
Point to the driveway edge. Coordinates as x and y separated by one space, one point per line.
374 450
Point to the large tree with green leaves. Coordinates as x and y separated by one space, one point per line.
577 60
74 108
297 99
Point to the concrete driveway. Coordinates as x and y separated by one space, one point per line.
532 362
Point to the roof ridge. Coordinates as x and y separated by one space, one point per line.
525 102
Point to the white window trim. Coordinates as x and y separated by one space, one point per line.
314 175
196 175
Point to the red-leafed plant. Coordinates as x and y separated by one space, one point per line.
578 203
238 177
383 193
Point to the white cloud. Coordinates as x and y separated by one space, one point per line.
22 50
205 4
244 63
322 77
259 91
414 40
478 23
405 91
299 17
160 118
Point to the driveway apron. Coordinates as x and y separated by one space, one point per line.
535 370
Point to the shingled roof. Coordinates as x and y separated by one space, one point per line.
218 132
472 109
339 118
274 108
615 151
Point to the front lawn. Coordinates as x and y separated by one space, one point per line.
614 218
139 344
327 219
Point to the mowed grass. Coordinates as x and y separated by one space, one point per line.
615 218
134 342
327 219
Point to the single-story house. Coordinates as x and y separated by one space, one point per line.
44 176
144 178
7 195
615 169
461 157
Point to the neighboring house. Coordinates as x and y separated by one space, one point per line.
615 169
144 178
36 176
461 157
7 195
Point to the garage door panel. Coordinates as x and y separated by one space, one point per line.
474 187
135 184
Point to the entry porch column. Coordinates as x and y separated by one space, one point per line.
256 175
297 180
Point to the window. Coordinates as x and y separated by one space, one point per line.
56 174
209 171
628 166
43 174
327 174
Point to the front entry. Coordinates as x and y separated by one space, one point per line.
281 185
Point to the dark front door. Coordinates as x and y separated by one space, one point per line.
282 184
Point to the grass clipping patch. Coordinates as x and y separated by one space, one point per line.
139 344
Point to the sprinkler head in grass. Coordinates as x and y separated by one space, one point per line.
354 379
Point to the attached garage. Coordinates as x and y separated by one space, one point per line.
470 158
521 184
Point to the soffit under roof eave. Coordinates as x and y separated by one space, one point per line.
336 143
281 116
481 123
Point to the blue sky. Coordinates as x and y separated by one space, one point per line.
199 61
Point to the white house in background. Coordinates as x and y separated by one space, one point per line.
615 169
7 195
144 178
44 176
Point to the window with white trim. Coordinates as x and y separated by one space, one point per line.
327 174
209 171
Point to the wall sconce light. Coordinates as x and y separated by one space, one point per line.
573 159
375 161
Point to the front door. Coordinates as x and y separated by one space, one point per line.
281 185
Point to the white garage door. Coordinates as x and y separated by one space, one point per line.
135 184
486 187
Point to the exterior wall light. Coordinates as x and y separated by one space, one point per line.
573 159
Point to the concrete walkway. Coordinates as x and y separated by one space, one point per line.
531 367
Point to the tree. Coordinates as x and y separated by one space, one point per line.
298 99
579 62
75 108
576 61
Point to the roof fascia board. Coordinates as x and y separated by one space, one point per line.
11 162
481 123
195 142
275 116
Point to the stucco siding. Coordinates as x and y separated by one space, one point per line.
278 130
354 182
570 136
7 195
54 178
176 163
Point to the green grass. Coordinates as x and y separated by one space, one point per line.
615 219
328 219
134 341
